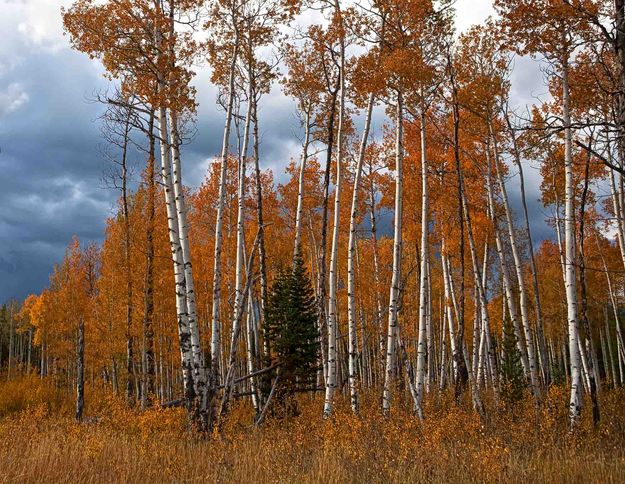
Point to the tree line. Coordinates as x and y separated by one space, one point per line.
250 289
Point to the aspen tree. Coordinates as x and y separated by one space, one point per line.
331 382
552 28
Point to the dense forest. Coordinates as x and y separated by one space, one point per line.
247 305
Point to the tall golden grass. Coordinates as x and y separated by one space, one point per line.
40 442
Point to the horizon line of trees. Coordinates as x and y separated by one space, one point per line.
176 306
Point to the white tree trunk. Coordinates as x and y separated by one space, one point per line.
529 338
332 281
507 284
351 249
423 282
393 306
575 404
184 335
300 186
183 227
215 316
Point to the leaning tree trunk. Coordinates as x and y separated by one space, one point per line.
505 275
529 337
546 371
215 316
351 249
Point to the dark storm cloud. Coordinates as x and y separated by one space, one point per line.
52 167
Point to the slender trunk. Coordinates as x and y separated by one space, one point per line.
351 249
575 405
546 372
331 382
397 249
518 266
423 282
131 381
300 186
505 275
262 256
186 355
148 332
589 345
215 316
199 377
80 370
321 285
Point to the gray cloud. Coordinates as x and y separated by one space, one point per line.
51 168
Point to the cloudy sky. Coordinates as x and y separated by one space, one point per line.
51 183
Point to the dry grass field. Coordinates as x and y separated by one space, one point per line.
40 442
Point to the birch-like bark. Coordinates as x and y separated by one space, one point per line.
546 371
300 185
575 403
331 382
351 250
262 256
479 282
450 302
397 249
376 274
216 307
505 275
240 255
199 377
423 282
184 336
321 284
527 330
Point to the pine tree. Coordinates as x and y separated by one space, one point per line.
291 318
512 377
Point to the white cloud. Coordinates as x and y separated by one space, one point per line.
11 98
471 12
36 23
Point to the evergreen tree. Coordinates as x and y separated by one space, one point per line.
291 318
512 378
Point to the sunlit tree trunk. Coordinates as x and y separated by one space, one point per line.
199 379
240 254
184 335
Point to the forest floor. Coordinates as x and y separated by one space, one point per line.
40 442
